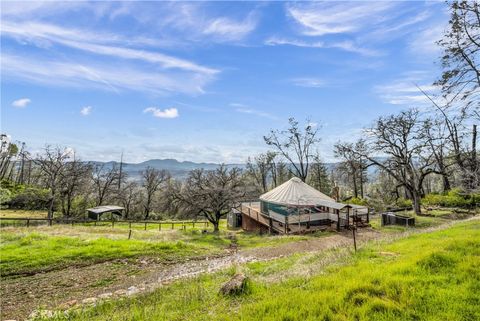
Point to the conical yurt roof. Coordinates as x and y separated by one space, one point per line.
294 192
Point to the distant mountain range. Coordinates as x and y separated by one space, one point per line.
177 168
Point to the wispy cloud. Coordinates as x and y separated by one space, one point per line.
41 34
85 111
159 113
21 103
255 112
406 90
309 82
228 29
101 76
318 19
346 45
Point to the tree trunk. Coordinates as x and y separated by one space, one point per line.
416 198
446 183
50 207
354 181
215 226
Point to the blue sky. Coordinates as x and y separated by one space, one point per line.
204 81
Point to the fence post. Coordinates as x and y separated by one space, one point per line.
129 234
28 223
145 226
172 225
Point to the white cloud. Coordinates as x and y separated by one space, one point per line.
425 41
309 82
245 110
21 103
103 76
228 29
346 45
85 111
42 34
166 113
318 19
406 90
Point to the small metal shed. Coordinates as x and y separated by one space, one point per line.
234 219
95 212
390 218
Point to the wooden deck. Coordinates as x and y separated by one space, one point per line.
252 210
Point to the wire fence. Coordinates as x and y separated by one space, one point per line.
160 225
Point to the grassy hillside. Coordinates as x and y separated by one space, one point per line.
31 250
432 276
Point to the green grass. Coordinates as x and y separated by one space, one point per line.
432 276
35 249
31 252
420 221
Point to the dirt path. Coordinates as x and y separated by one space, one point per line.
85 285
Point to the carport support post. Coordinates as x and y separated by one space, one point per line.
338 220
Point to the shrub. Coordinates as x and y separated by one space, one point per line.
454 198
358 201
30 198
402 202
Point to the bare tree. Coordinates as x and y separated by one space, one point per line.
212 194
295 145
129 196
437 139
152 181
104 181
353 165
51 163
280 172
72 178
402 139
461 45
318 177
260 169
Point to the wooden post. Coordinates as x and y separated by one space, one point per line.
347 223
270 225
145 226
172 225
129 234
354 239
368 214
28 223
338 220
159 226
